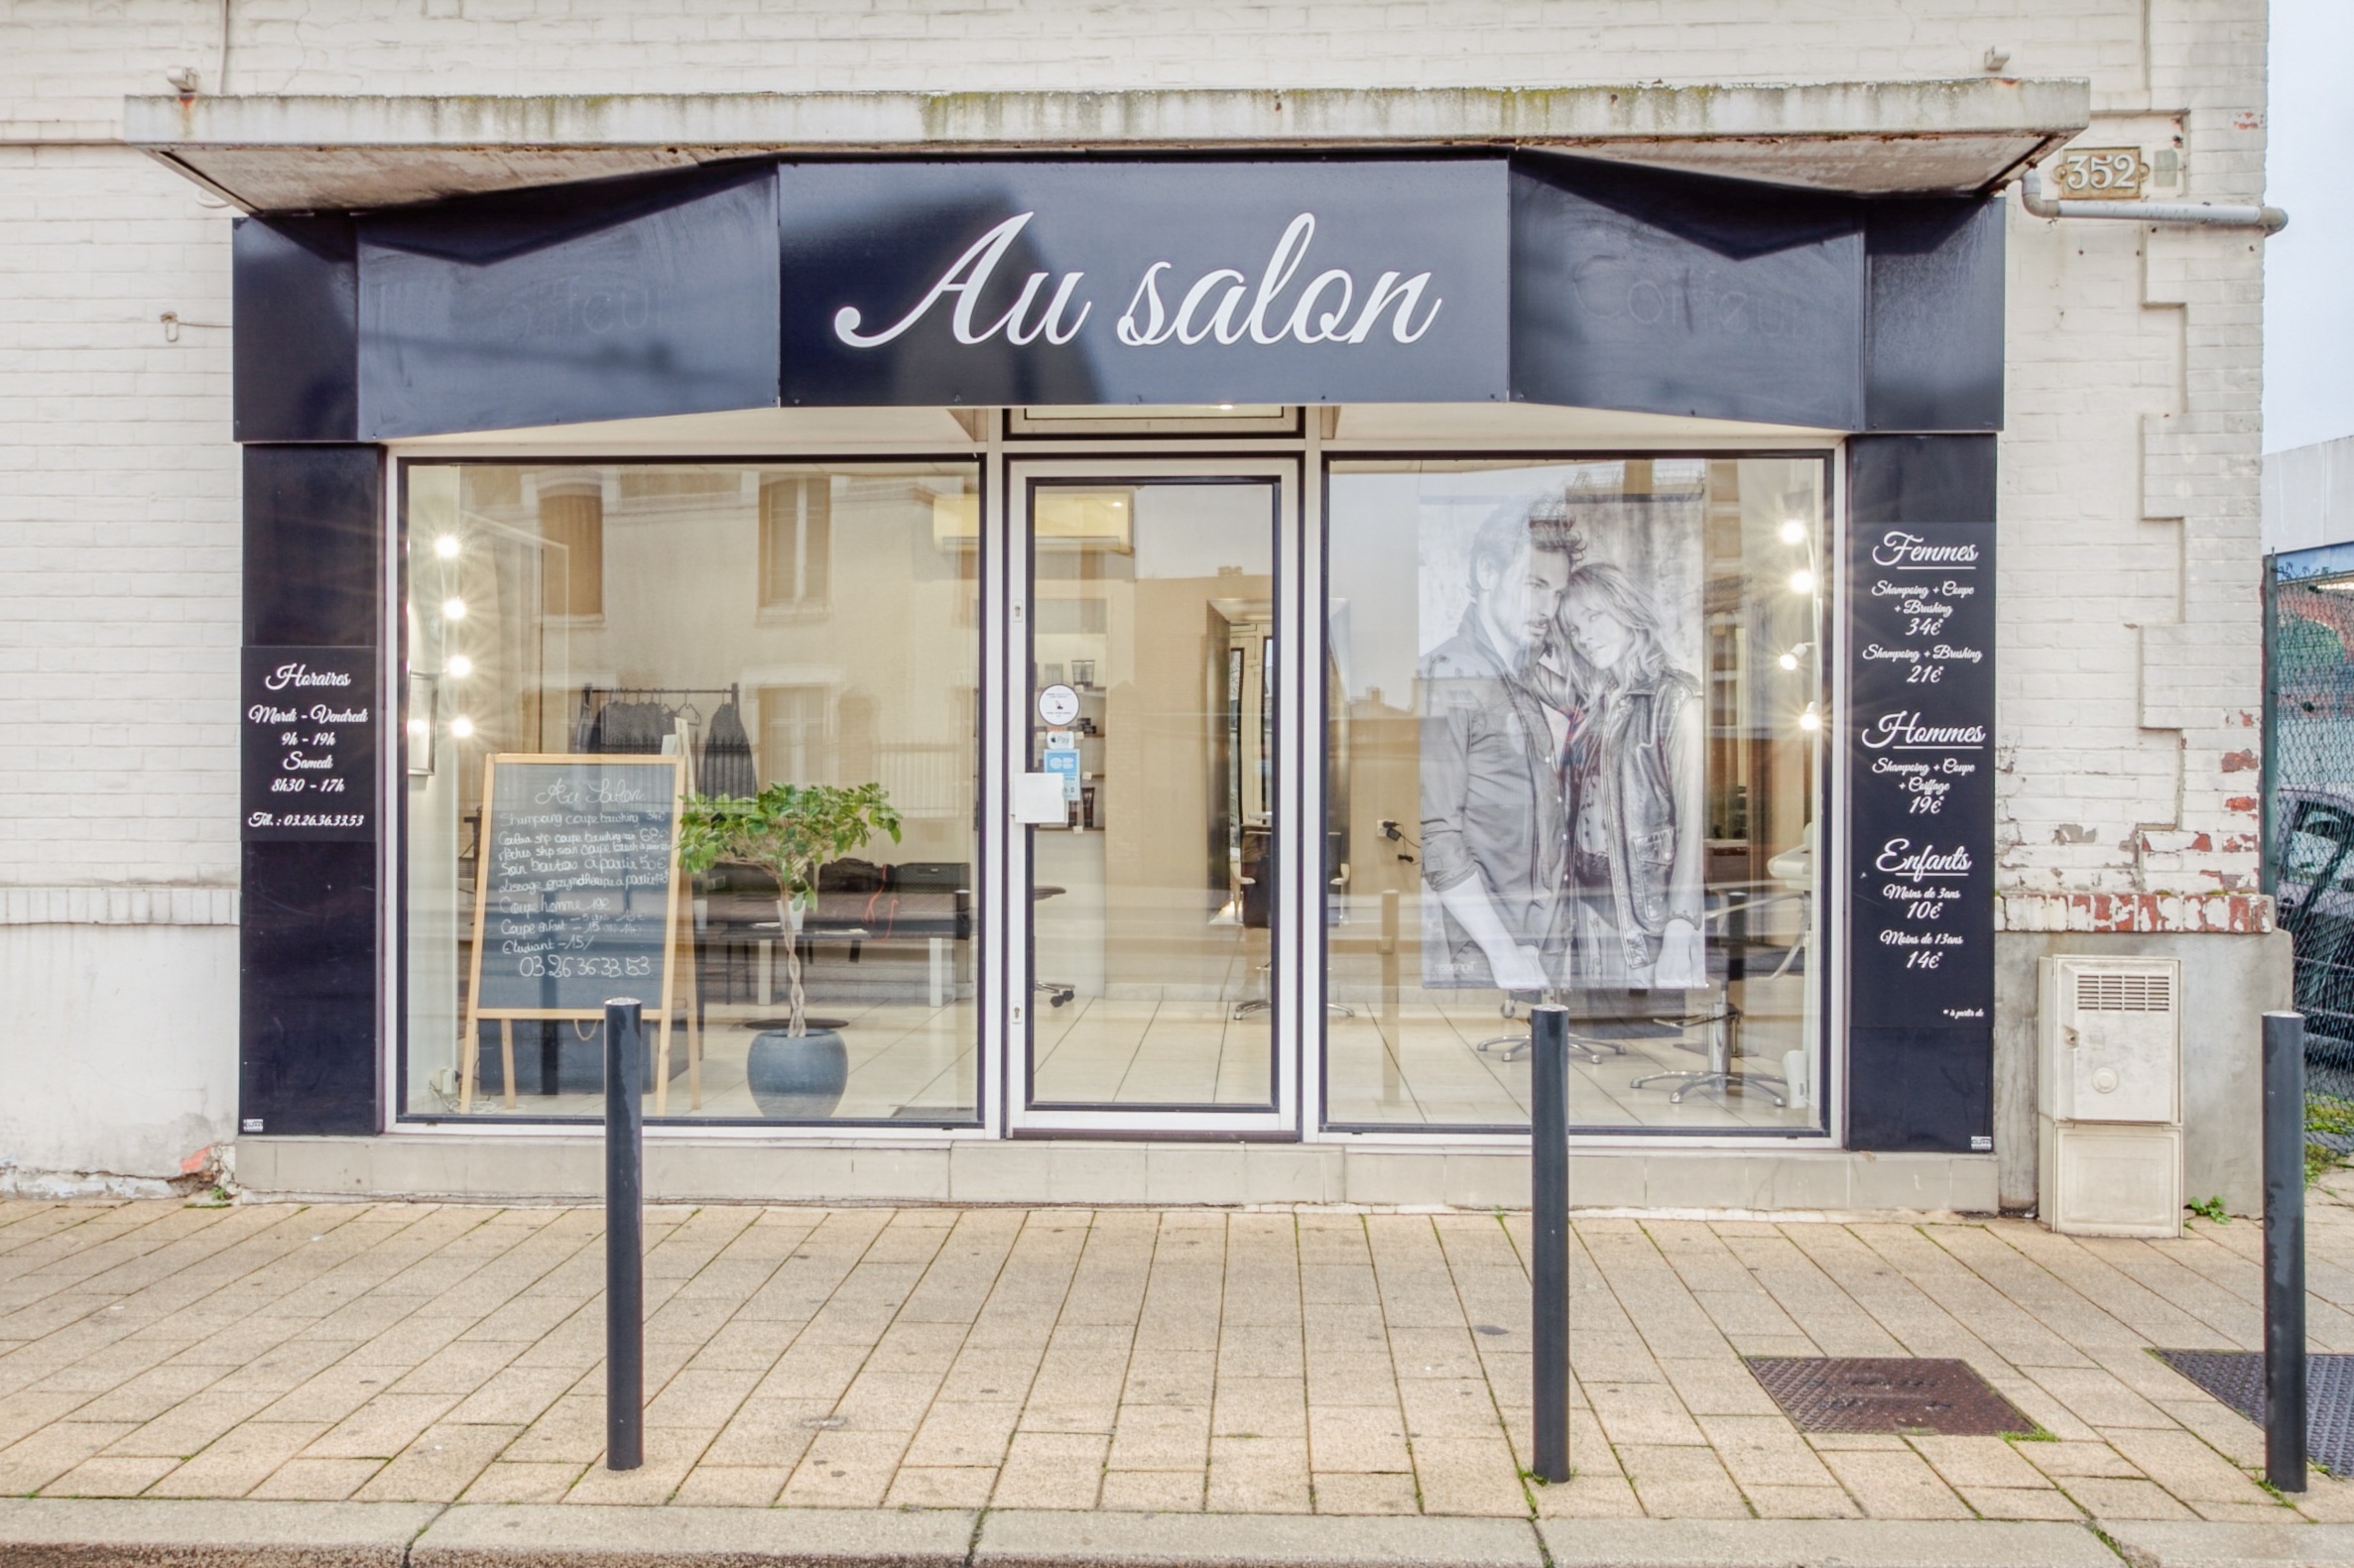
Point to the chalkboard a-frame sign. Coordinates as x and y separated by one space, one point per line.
576 901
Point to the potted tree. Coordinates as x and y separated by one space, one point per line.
788 830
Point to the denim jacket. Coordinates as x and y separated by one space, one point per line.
1494 800
1631 772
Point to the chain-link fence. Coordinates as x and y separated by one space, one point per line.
2309 818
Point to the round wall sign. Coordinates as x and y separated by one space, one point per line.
1058 705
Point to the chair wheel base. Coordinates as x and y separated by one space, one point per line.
1722 1082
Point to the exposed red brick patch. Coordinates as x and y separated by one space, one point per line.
2138 912
2239 762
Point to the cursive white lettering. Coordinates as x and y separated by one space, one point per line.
1221 321
1387 291
1156 328
965 279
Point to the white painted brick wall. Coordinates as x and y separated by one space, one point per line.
120 526
2129 619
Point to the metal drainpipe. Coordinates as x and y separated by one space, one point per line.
2204 214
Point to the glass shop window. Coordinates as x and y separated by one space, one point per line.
1574 753
628 774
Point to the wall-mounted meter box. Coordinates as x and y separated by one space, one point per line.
2108 1096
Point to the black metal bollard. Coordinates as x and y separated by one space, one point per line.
1548 1231
625 1232
2284 1251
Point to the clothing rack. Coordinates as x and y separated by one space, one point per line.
647 715
590 695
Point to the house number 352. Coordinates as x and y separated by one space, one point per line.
2101 174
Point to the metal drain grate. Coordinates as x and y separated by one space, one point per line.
1888 1394
2236 1377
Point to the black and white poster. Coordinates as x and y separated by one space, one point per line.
1562 736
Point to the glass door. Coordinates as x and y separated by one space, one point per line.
1152 659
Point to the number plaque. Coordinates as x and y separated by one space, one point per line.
2101 174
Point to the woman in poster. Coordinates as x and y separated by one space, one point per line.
1638 838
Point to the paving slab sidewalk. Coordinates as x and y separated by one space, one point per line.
1132 1366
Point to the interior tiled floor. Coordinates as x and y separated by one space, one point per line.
1292 1360
1421 1064
1418 1064
907 1063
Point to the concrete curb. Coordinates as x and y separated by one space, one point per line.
75 1532
1821 1543
2166 1545
1260 1540
556 1534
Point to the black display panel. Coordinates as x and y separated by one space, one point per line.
313 545
602 301
308 1018
308 731
1921 759
308 901
1933 354
295 304
1163 281
1678 294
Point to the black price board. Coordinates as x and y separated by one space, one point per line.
575 894
310 742
1921 770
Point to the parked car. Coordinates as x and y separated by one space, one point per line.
2313 857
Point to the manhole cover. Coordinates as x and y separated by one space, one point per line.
2236 1377
1887 1393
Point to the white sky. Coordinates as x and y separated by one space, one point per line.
2309 310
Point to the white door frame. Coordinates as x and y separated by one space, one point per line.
1293 751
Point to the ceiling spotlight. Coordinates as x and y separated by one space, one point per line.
420 727
454 609
458 665
1793 532
1811 720
1801 582
447 547
1789 660
461 726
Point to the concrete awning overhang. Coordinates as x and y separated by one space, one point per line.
284 154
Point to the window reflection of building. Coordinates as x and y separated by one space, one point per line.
796 735
796 544
693 605
573 531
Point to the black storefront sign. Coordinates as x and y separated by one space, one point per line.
1484 277
1180 283
1921 760
308 725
